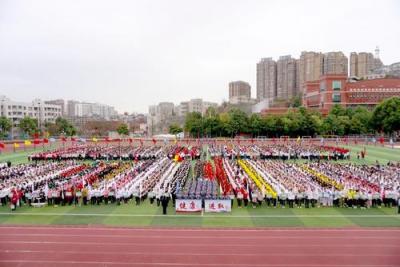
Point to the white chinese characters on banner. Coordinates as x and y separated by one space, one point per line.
217 205
188 205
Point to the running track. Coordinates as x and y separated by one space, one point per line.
102 246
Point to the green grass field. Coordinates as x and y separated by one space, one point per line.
151 215
374 153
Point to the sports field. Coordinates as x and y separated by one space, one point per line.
20 156
374 153
151 215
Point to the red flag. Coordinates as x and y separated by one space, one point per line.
36 135
2 145
63 139
381 140
36 141
73 139
107 139
154 141
45 140
130 140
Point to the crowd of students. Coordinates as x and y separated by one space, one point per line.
243 173
282 151
101 151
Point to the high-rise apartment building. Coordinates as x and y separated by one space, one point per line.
266 79
286 86
239 92
334 63
363 64
310 68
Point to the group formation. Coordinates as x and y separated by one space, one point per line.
270 175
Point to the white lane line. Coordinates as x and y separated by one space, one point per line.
106 263
198 237
199 216
143 244
94 244
266 253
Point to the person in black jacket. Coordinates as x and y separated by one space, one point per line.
164 202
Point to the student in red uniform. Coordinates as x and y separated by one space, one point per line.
14 199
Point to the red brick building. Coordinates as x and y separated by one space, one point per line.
329 90
336 89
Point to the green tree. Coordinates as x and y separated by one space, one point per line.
286 125
175 129
338 110
123 129
194 124
336 125
255 124
361 121
212 126
310 122
317 124
224 126
28 125
5 127
211 112
344 125
64 127
238 122
386 116
296 101
268 126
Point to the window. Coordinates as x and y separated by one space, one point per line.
336 85
322 86
336 98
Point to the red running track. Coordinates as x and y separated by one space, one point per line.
101 246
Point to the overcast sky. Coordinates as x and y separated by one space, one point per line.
131 54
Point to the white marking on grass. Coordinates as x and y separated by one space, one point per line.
193 229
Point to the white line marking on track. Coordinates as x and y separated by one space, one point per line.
199 216
266 253
201 237
106 263
143 245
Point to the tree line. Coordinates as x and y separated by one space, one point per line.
28 126
385 117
